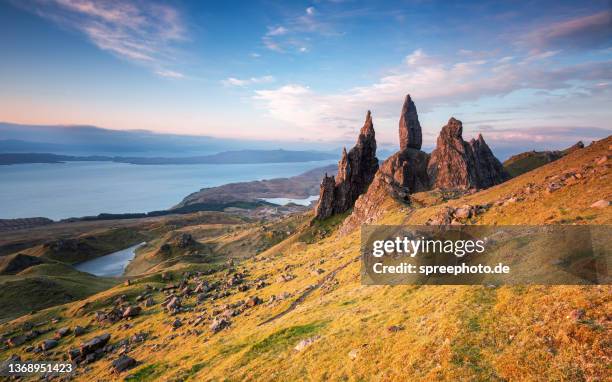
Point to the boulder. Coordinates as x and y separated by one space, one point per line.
123 363
252 301
79 331
94 344
131 311
62 332
48 345
219 324
174 304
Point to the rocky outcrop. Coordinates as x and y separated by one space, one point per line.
405 173
400 175
456 164
356 170
489 170
410 135
325 207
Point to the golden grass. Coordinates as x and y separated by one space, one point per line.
450 333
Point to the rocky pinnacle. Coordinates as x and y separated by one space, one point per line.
356 170
410 135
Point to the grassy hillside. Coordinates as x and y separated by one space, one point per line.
310 291
45 285
530 160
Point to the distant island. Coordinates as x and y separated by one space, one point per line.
225 157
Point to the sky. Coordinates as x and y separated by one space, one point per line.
522 73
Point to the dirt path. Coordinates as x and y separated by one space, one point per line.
330 276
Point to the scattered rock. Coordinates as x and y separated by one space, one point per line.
185 240
463 212
79 331
48 345
601 160
219 324
123 363
601 204
395 328
62 332
252 301
174 304
576 314
149 302
94 344
303 344
176 324
353 354
131 311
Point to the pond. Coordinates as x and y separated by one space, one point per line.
111 265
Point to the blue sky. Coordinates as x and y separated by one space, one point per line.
531 73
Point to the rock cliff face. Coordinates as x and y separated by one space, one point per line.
356 170
489 171
456 164
410 135
405 173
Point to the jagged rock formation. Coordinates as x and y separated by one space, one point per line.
410 135
489 170
356 170
459 164
325 207
400 175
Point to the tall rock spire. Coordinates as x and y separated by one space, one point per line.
410 135
356 170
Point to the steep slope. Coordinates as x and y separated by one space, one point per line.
298 311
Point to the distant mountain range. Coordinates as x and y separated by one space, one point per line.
226 157
92 140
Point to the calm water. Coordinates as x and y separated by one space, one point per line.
76 189
109 265
283 201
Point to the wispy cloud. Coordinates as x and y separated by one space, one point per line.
293 33
586 32
143 32
232 81
433 82
169 74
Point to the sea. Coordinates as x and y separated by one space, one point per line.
76 189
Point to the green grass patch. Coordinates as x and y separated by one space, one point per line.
147 373
282 339
320 229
